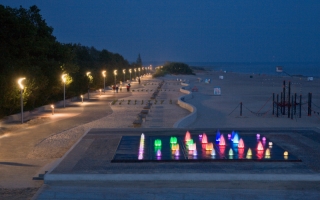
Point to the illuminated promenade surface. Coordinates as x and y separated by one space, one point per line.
42 141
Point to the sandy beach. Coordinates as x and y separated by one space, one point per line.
38 153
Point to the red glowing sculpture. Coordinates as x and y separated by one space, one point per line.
204 139
241 144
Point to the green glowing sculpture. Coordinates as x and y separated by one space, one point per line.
157 143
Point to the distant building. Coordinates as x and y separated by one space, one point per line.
279 69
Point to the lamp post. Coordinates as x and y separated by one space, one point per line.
52 109
124 73
88 75
135 73
104 73
139 71
130 70
115 79
63 77
81 98
21 96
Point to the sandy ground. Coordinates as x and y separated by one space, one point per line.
39 148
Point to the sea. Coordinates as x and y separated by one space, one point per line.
307 69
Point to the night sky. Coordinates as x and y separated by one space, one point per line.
188 30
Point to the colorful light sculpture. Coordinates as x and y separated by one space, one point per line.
267 154
187 136
230 152
204 138
270 144
209 146
229 136
190 142
260 147
235 138
173 140
195 153
158 153
222 141
157 143
258 136
177 152
264 139
241 144
218 136
249 154
213 152
241 153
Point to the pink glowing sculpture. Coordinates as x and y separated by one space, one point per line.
204 139
209 146
222 149
222 141
187 137
241 153
264 139
193 147
229 136
241 144
260 147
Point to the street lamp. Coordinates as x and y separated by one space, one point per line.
135 73
130 70
115 79
21 96
124 73
63 77
88 75
104 73
81 98
139 71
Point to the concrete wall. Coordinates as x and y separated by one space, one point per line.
189 119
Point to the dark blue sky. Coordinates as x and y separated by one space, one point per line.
189 30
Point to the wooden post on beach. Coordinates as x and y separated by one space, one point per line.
240 108
272 103
300 106
284 98
277 105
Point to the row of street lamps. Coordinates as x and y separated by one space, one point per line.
64 79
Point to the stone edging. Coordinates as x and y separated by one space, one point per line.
189 119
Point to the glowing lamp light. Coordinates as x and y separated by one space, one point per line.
229 136
222 141
235 139
204 138
142 136
187 137
270 144
260 147
241 144
157 143
286 153
20 83
209 146
173 140
264 139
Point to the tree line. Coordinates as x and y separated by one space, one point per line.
28 49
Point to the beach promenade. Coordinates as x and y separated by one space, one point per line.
52 136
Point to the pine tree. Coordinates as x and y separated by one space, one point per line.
139 61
